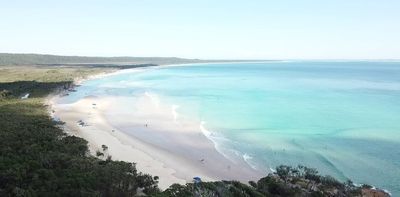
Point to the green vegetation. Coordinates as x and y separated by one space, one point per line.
38 159
37 59
287 181
9 59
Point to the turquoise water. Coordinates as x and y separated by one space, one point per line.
342 118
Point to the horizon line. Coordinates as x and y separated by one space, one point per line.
212 59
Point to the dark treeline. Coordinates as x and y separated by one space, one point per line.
34 88
105 65
38 159
287 181
55 60
38 59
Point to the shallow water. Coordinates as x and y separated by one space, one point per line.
342 118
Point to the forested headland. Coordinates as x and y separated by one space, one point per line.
43 59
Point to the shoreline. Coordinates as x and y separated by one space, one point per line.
98 132
175 155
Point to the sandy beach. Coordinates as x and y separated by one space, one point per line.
152 135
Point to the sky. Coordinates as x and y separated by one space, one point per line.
206 29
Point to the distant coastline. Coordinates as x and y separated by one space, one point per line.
119 61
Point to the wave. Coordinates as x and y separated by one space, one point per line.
330 165
174 112
154 99
218 142
248 159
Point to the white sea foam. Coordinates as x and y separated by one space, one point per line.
175 113
217 141
248 159
206 132
387 191
154 99
220 143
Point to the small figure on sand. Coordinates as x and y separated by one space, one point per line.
81 123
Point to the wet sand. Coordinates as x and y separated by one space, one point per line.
153 136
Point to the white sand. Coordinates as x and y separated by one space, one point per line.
120 146
153 136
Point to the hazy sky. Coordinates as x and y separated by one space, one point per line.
247 29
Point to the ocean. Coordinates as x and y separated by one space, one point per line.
342 118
